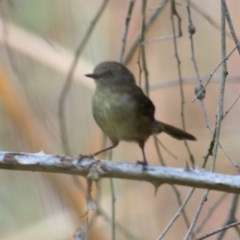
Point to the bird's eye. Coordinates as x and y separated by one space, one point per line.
109 73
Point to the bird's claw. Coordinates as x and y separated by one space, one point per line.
144 165
81 157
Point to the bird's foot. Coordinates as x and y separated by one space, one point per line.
144 164
81 157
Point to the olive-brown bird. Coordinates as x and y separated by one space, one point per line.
123 111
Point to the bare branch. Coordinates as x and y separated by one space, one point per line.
96 169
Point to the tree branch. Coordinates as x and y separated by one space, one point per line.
96 169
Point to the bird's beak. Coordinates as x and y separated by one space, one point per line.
92 75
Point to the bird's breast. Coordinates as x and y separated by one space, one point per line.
111 107
116 113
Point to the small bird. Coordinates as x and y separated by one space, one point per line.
123 111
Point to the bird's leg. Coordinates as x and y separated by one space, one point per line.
144 163
114 144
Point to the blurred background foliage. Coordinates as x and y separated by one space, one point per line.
37 46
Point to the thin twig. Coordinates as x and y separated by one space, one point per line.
142 50
166 149
195 217
113 210
217 125
230 24
207 17
175 189
219 113
218 66
210 212
175 13
222 229
231 106
176 215
200 91
180 202
188 80
135 42
231 218
125 33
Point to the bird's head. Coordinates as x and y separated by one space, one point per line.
111 72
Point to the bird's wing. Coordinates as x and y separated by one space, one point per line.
144 104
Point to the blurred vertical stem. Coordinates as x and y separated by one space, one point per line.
174 13
68 82
149 22
142 50
230 24
219 114
127 23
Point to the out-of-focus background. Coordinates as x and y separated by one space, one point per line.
38 42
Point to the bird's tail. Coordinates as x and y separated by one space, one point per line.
172 131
